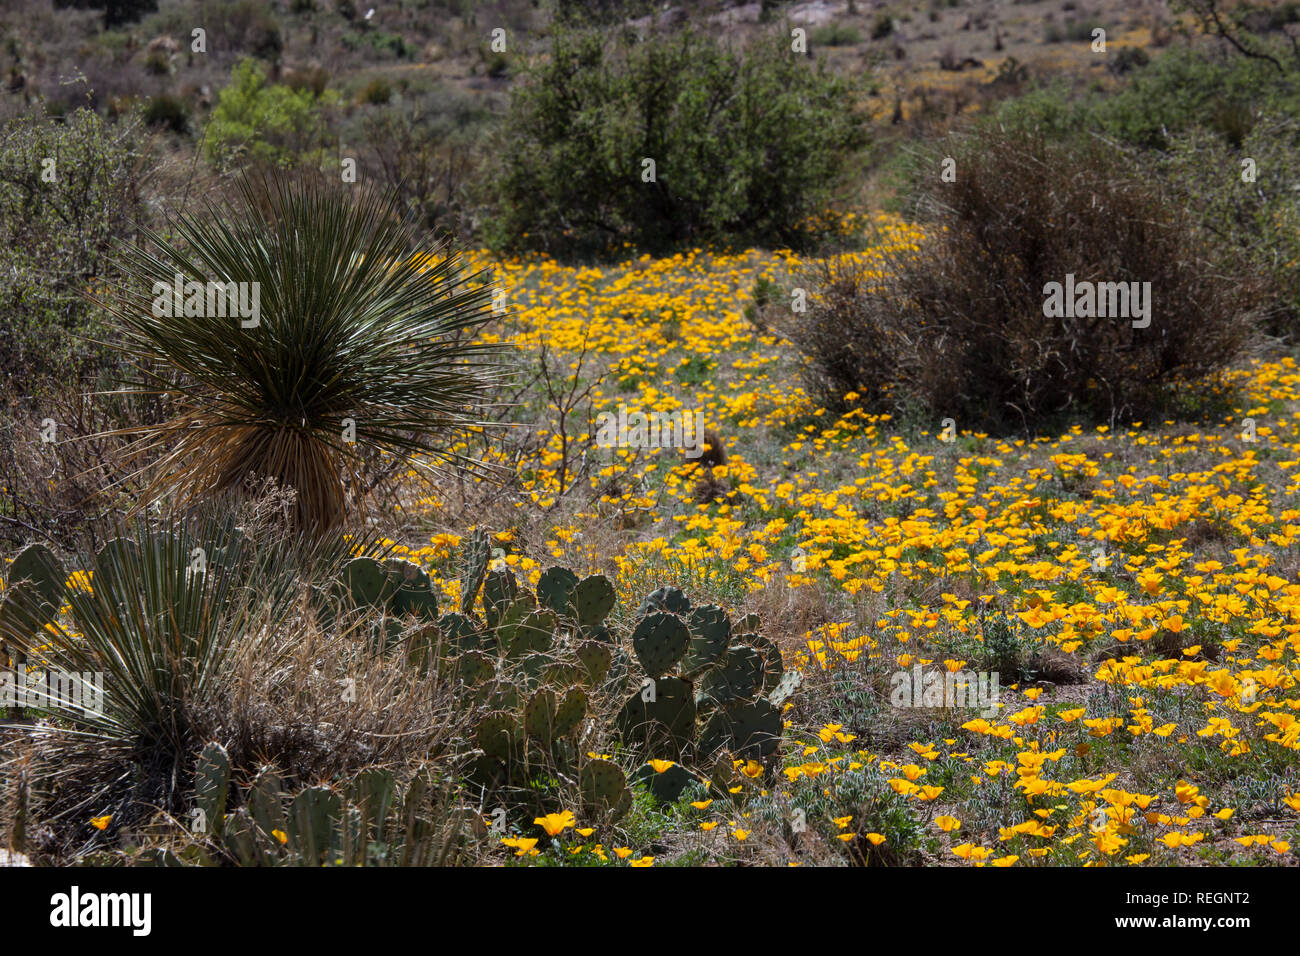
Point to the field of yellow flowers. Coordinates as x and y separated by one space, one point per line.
1134 589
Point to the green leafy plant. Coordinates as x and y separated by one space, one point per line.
270 123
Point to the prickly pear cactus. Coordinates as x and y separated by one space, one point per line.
659 640
710 637
211 786
555 590
665 780
31 598
500 591
570 712
367 582
749 729
604 790
659 720
596 658
38 566
539 717
593 599
413 592
738 676
498 736
670 599
476 550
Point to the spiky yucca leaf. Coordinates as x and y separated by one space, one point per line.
356 323
160 620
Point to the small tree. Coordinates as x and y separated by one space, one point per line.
269 123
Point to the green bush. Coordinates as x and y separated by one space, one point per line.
266 122
836 34
167 111
1183 89
376 93
746 146
1260 216
56 237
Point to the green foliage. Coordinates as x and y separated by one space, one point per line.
766 123
269 123
1259 217
116 12
835 34
168 112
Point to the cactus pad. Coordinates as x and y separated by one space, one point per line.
665 785
596 658
660 639
366 582
475 551
569 714
555 589
661 726
666 599
604 789
593 599
739 676
749 729
710 637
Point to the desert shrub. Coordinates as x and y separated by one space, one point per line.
1185 88
243 27
376 92
1054 110
746 146
56 235
589 12
426 147
116 12
167 111
1245 197
959 328
836 34
269 123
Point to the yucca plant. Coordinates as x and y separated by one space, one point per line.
360 349
155 626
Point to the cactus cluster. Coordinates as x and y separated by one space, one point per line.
399 589
367 822
535 659
710 686
532 662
